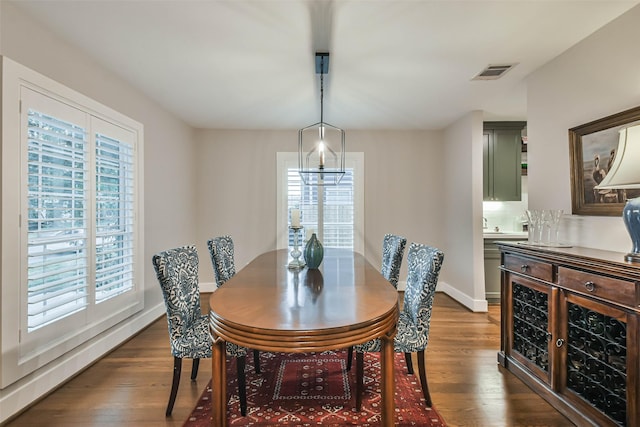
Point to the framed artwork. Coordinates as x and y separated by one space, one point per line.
592 147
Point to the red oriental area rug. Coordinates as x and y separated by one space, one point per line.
312 389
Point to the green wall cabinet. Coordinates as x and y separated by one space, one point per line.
502 160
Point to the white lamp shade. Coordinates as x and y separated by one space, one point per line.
625 171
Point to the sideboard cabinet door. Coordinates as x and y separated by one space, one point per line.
529 336
596 343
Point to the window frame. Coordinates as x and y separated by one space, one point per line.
23 352
285 160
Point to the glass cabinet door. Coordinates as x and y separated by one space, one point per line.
596 357
529 327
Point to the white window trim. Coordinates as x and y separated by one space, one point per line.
18 359
285 160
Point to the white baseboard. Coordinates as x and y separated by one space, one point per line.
206 287
28 390
464 299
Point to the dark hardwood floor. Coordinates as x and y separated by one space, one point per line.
130 386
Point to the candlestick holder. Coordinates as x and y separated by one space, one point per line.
296 263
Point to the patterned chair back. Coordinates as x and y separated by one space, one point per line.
222 257
392 252
424 263
177 272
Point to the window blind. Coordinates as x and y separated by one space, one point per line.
328 210
114 217
57 219
58 200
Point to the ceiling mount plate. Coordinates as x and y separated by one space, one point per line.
322 62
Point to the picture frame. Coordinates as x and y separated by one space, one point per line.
591 150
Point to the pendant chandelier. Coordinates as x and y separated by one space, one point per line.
321 145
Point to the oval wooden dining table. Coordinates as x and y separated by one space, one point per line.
268 307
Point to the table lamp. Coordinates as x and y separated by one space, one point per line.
625 174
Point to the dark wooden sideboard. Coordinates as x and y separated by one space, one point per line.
570 329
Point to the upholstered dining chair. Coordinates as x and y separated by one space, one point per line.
424 263
392 254
177 272
224 268
222 258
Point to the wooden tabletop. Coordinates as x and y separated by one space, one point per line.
266 306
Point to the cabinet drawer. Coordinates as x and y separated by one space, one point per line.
538 269
616 290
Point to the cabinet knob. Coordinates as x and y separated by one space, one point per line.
559 342
524 268
590 286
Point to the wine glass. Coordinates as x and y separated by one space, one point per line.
534 228
555 215
545 232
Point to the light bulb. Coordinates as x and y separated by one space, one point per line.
321 150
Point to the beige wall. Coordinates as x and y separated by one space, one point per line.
169 196
237 188
598 77
463 277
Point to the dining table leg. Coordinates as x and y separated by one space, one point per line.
388 381
218 383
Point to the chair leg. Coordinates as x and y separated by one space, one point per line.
242 385
177 368
349 358
256 361
423 378
359 379
194 369
407 358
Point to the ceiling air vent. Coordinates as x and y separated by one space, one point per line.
493 72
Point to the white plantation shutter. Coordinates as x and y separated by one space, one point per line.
328 210
114 217
59 207
72 220
334 212
57 213
338 213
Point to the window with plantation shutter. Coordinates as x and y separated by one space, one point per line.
72 264
60 201
333 212
58 166
327 210
114 217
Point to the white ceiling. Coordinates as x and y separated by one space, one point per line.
394 64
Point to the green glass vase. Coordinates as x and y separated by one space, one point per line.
313 252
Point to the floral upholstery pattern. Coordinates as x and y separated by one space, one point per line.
177 272
392 252
222 257
224 268
424 263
